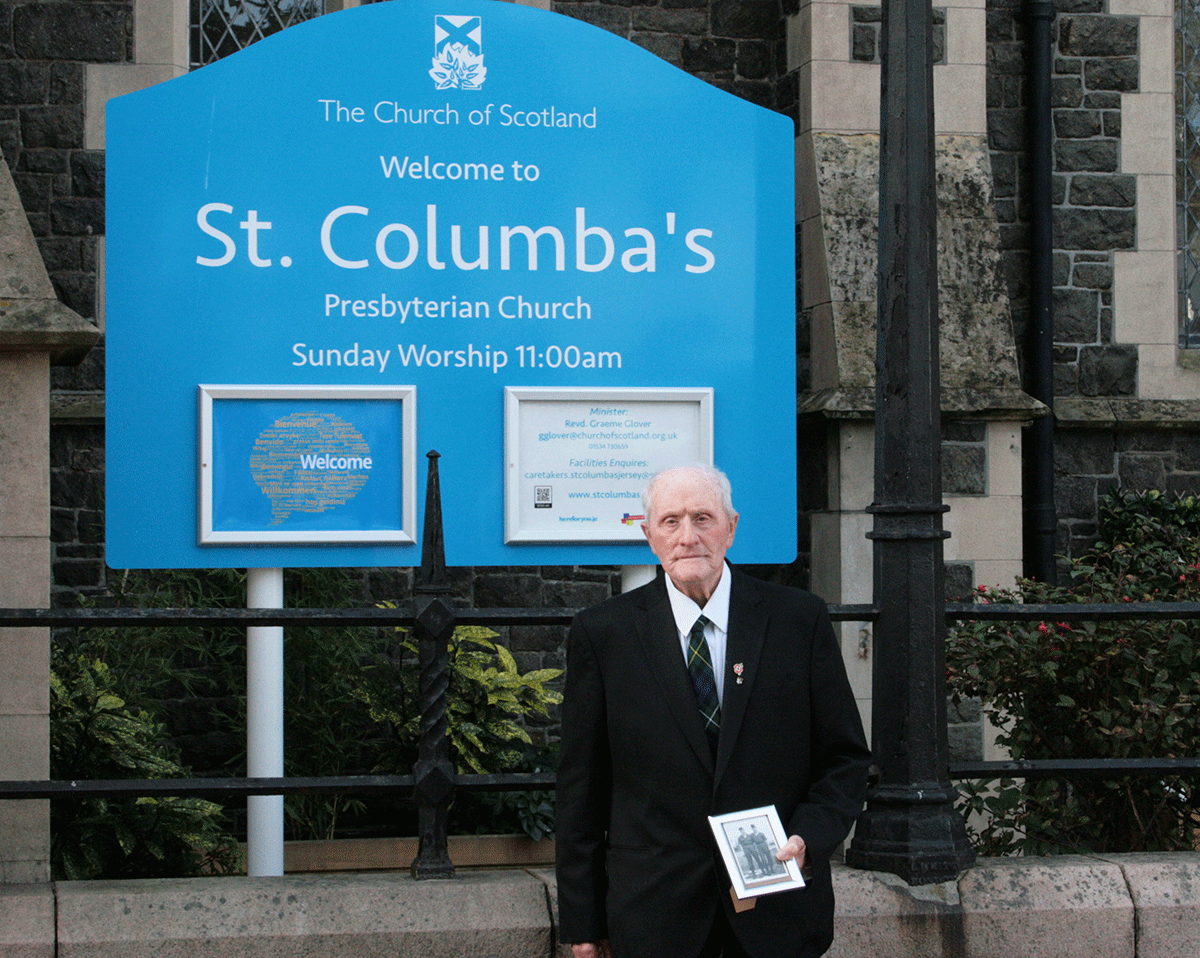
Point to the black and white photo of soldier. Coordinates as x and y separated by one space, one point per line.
755 850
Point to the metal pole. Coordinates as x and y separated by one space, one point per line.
433 628
910 827
1041 519
264 724
633 576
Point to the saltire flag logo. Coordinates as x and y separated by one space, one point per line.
458 52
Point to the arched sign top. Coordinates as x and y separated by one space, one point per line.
452 200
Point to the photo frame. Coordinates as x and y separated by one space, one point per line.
749 841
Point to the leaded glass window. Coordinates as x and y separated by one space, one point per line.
1187 167
222 27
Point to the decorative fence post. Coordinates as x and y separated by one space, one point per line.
434 626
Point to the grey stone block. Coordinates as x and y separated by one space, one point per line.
547 876
1165 888
26 921
959 430
94 32
655 20
1065 91
864 43
1065 907
498 914
1094 276
1095 228
1138 472
1075 315
1100 190
964 470
708 55
613 19
1098 36
1187 452
1101 156
1114 75
1075 498
746 19
51 127
78 216
1084 453
754 61
1108 370
878 914
960 581
661 45
22 83
966 743
1078 124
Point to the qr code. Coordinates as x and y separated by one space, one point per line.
542 497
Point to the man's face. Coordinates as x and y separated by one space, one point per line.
689 532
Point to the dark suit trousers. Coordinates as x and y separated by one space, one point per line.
722 943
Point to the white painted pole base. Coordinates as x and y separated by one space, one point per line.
264 724
633 576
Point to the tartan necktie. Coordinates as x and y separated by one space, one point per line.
699 663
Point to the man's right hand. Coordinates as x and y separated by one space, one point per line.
592 949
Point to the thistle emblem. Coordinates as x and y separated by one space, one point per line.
458 53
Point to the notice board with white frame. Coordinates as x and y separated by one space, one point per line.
576 460
289 464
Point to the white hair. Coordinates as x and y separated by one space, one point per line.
710 474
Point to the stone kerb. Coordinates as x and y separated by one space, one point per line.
26 921
1121 906
498 914
1066 907
1165 889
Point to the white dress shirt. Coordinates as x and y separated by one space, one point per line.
716 610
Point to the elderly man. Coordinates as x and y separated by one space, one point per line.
704 692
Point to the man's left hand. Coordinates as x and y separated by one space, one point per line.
793 848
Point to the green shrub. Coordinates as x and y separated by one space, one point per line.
487 701
93 735
1093 690
351 700
488 704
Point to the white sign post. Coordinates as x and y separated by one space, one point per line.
264 724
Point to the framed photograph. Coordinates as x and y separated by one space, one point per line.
307 464
749 841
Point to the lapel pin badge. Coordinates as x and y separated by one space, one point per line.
738 669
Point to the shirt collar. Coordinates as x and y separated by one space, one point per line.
716 610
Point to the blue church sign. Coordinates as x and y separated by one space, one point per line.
345 246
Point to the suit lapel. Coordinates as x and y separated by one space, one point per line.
660 642
747 631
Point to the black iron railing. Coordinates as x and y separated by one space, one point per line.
433 619
433 860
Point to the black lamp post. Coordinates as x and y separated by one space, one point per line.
910 827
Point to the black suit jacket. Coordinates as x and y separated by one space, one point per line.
637 862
